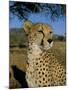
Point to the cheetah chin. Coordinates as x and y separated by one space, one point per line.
46 47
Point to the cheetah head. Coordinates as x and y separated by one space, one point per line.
39 34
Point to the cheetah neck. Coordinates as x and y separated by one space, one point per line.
34 51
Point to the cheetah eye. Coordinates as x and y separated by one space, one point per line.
40 31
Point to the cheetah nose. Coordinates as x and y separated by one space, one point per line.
49 40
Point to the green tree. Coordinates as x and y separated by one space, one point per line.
23 9
61 38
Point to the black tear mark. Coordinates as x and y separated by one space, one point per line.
42 42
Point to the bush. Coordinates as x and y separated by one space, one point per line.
61 38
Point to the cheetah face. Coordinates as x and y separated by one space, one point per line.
39 34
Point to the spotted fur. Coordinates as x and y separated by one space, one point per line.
43 69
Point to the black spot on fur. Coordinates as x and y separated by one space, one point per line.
49 85
39 72
44 85
43 64
39 81
36 63
46 75
39 85
40 61
40 54
46 69
40 66
43 79
40 76
42 72
48 79
43 68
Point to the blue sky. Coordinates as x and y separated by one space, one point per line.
58 25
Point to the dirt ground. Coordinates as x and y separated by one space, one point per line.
18 58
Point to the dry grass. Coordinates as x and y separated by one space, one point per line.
18 57
59 50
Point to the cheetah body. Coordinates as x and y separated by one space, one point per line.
43 69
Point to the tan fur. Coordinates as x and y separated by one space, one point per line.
43 69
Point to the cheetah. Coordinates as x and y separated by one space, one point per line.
43 69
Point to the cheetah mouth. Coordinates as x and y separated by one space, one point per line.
46 47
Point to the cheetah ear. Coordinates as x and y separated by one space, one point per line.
27 26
